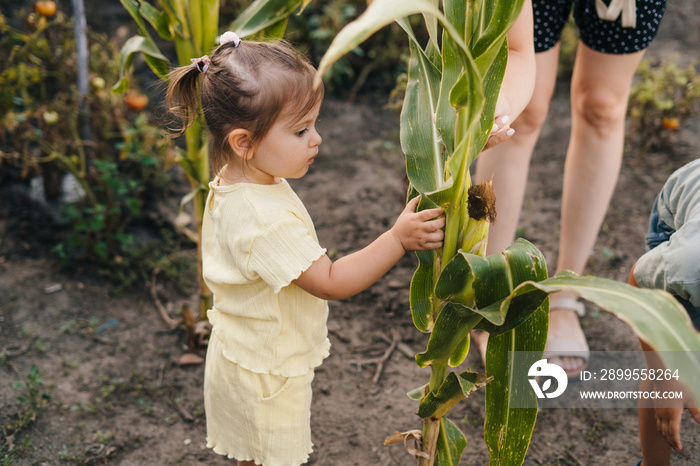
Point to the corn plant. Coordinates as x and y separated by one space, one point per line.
193 26
447 115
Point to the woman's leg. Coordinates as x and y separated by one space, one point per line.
600 89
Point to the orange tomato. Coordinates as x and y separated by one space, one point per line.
670 123
45 8
135 100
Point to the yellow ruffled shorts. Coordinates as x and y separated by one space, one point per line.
251 416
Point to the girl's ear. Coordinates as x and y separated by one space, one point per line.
239 141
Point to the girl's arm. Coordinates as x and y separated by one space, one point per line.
413 231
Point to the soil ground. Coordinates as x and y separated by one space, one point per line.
119 396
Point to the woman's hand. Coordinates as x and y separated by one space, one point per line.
501 130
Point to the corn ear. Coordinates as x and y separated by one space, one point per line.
481 205
475 237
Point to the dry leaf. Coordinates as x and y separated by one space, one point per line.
415 435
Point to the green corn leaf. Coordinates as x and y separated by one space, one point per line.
518 310
422 284
132 7
498 17
189 167
452 326
445 114
451 70
428 175
460 353
276 30
158 19
430 51
488 281
144 44
422 303
473 21
419 137
450 445
176 14
204 15
262 14
420 140
156 60
197 152
654 315
417 394
176 9
467 96
507 430
481 17
476 90
454 389
457 13
158 63
186 50
378 14
492 86
431 24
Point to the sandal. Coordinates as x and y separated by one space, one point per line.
558 348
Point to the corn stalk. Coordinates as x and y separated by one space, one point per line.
447 115
193 25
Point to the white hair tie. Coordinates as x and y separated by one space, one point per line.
202 63
229 36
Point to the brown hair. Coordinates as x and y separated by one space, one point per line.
247 87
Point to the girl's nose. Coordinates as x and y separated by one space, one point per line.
316 139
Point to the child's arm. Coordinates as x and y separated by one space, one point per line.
413 231
668 418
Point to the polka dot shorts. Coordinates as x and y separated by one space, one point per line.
550 17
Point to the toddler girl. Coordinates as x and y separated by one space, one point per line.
261 258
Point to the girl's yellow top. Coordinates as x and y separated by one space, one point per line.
256 239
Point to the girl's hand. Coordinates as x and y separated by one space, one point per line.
668 417
419 231
668 423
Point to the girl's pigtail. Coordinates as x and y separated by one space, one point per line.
182 97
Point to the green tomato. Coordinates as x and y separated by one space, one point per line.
51 117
